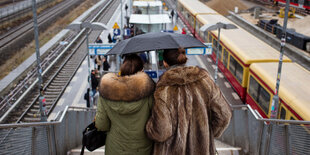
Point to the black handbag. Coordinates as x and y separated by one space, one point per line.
92 139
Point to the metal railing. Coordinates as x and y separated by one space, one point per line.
55 137
258 136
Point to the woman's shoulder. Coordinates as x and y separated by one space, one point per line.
126 88
182 75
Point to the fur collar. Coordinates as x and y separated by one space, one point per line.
126 88
182 75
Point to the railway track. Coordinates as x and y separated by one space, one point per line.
60 74
27 27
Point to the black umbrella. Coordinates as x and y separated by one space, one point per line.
155 41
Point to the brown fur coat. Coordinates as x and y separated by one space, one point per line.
185 97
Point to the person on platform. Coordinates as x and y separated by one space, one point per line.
86 97
189 109
94 82
106 64
183 30
99 41
98 62
124 107
110 39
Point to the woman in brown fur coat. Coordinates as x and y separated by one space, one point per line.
189 109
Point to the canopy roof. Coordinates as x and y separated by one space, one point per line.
146 3
149 19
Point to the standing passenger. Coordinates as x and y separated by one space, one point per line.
106 64
124 107
183 30
189 109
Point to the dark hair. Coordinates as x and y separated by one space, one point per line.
175 56
132 64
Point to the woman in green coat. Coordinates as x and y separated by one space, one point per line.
124 108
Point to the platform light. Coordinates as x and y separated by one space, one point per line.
218 26
78 26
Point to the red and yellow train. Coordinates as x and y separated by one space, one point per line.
250 65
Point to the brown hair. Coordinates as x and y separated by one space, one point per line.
132 64
175 56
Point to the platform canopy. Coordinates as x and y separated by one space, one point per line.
149 19
146 3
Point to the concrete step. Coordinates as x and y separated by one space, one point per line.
222 149
225 149
77 151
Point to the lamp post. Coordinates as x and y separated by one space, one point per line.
275 98
218 26
36 37
78 26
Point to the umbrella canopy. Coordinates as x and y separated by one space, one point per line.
155 41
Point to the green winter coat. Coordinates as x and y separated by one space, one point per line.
123 109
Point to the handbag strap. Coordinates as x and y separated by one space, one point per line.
82 151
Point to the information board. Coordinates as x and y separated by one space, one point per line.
99 49
200 50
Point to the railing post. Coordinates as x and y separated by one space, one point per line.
260 137
33 139
50 139
269 134
233 129
288 139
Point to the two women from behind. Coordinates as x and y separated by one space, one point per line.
124 107
189 109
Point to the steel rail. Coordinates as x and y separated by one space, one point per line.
27 26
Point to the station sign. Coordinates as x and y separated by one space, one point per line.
99 49
175 28
127 32
115 26
200 50
116 32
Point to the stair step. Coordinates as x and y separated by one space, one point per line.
77 151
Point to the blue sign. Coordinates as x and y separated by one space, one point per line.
99 49
200 50
170 31
116 32
127 32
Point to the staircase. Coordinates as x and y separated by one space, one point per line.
222 149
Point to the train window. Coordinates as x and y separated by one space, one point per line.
264 99
253 88
292 118
259 94
220 53
210 37
282 113
239 72
232 65
214 45
236 69
225 57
